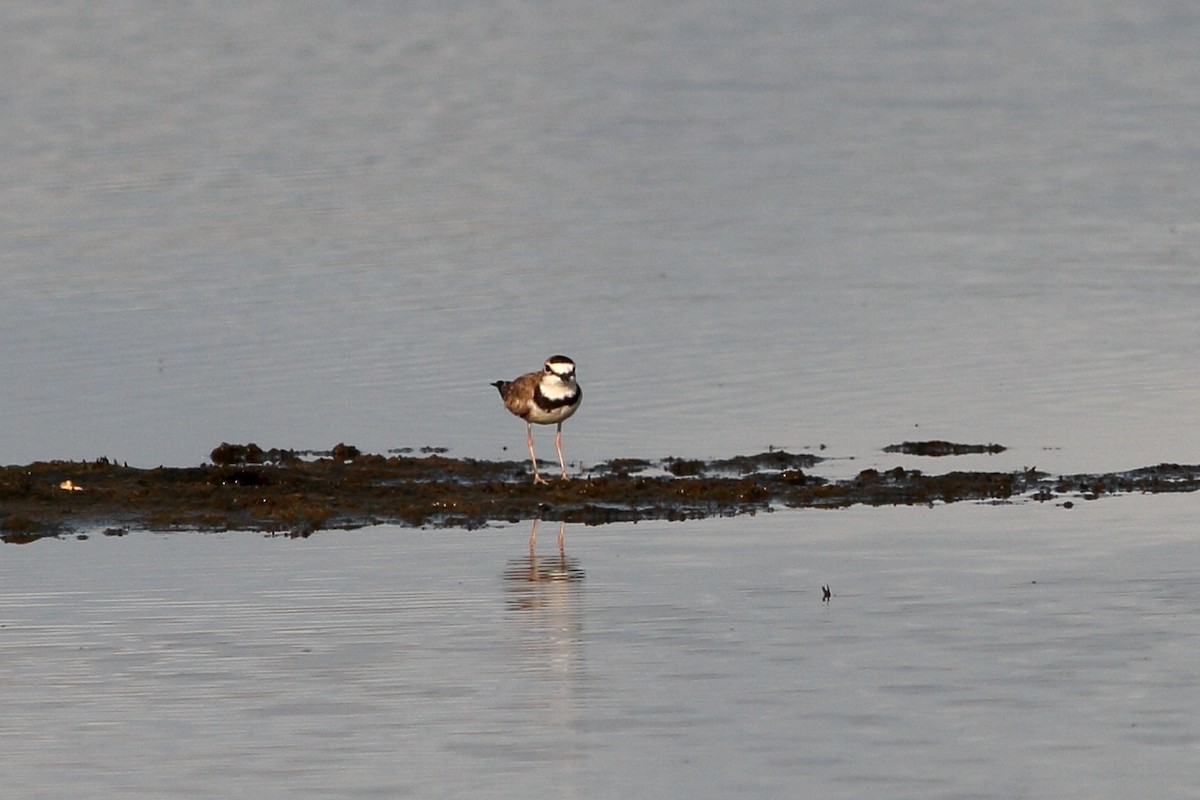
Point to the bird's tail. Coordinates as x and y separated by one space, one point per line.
502 386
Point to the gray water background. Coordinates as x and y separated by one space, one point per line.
967 651
773 223
784 224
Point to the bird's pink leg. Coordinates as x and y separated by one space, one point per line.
558 446
537 478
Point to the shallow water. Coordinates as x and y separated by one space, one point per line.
846 224
840 224
968 650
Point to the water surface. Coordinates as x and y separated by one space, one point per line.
842 223
968 650
829 223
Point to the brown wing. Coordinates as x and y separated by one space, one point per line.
519 394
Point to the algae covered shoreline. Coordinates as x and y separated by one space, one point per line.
297 493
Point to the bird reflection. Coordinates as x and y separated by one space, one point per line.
545 650
547 583
544 593
562 526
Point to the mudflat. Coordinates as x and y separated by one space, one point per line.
296 493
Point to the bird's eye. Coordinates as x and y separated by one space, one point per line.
548 369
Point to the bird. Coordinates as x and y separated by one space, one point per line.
545 397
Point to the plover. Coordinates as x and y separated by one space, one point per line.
546 397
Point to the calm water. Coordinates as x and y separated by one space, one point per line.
785 223
968 651
775 223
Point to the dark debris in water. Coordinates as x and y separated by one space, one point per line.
293 493
936 447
